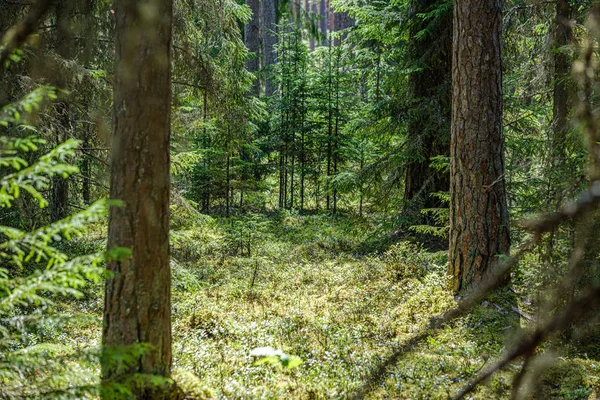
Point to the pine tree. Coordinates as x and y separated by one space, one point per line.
137 299
479 223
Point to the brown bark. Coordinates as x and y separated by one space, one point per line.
252 39
137 305
479 222
428 129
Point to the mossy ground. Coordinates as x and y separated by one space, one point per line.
294 282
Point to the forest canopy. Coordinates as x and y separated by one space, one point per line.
206 199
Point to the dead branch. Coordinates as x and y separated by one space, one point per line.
574 311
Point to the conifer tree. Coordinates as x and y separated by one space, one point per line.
479 223
138 295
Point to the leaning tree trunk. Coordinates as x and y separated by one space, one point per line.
479 222
137 306
252 39
269 12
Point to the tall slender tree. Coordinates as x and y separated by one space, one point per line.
269 12
479 222
138 295
59 204
252 40
560 111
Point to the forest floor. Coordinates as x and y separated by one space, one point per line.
296 283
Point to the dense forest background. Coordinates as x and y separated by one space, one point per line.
299 199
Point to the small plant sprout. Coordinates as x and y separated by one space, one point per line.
269 355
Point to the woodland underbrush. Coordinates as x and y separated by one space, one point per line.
296 283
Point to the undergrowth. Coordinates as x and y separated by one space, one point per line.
296 283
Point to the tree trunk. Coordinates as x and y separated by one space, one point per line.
59 204
252 40
428 125
479 222
86 170
228 185
137 306
323 22
560 112
313 10
269 40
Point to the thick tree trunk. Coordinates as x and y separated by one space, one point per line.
138 295
252 39
428 126
479 222
269 11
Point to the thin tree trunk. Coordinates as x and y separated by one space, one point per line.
205 159
59 204
313 11
85 170
479 222
228 185
137 306
337 124
323 22
329 127
360 203
561 104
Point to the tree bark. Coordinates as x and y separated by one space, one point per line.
137 305
429 121
323 11
269 9
252 40
479 221
560 111
59 204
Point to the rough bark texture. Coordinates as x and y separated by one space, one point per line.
479 222
252 39
269 11
430 92
137 303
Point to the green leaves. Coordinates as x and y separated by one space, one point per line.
269 355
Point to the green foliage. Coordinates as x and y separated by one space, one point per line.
268 355
29 298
